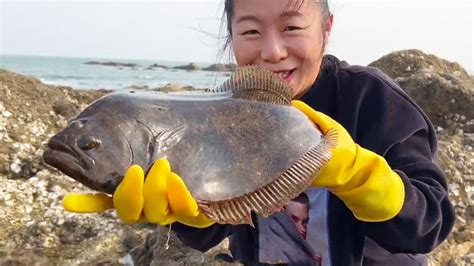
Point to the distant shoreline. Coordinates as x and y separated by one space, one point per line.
118 74
172 63
124 60
114 74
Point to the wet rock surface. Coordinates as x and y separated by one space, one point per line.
36 230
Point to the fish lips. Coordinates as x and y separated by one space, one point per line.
70 161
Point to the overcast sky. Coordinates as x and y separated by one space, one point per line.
187 30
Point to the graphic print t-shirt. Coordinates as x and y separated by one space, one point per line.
280 241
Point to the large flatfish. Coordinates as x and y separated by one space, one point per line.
240 149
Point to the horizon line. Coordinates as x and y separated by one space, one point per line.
115 58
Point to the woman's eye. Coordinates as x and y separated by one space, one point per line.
292 28
250 32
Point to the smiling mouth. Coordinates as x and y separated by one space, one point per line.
286 74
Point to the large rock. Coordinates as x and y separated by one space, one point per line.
441 88
221 67
115 64
188 67
153 66
172 87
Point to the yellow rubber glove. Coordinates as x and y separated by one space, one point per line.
167 199
362 179
162 198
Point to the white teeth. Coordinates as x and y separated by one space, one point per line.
283 75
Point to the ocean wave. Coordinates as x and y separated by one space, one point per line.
70 77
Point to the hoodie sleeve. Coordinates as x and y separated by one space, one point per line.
202 239
382 118
427 215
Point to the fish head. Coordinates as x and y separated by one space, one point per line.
110 135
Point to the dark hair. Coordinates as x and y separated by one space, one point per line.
229 13
302 198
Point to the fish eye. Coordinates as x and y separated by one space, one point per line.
88 143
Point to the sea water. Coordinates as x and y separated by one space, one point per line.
75 73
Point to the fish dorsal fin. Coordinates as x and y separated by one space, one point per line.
259 84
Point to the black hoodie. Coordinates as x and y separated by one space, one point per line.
382 118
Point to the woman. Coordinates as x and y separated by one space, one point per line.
386 198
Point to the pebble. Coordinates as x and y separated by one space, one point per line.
6 114
470 258
53 195
126 260
15 168
7 197
42 224
461 220
454 189
30 223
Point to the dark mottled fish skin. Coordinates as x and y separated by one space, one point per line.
229 151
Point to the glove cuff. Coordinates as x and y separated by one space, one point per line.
375 193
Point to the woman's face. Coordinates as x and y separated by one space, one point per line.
282 35
299 213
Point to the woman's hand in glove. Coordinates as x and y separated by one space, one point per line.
359 177
161 198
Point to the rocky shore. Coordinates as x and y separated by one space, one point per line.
188 67
36 230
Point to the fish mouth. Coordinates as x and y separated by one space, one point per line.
68 160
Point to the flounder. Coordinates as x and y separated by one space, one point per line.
240 149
